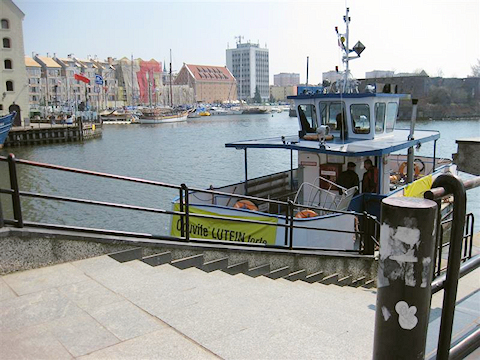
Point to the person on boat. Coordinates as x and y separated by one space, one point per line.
306 128
349 178
370 178
341 125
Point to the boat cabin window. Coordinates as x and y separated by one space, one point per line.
380 109
391 116
308 118
360 114
330 112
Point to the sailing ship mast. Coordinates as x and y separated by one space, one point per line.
131 97
171 93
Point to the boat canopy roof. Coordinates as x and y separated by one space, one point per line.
397 140
335 96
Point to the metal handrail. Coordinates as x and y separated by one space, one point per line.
184 212
445 185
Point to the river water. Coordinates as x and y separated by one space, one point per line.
191 152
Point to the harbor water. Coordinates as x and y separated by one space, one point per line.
191 152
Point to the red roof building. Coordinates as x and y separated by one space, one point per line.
211 84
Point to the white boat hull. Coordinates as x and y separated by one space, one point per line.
163 120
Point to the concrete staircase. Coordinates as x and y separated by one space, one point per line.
225 264
120 306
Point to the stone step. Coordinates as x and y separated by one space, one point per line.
315 277
369 284
344 281
127 255
141 266
237 268
359 282
158 259
217 264
190 261
296 275
330 279
278 273
259 270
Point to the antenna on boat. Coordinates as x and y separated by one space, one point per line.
343 41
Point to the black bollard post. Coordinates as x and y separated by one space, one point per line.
407 243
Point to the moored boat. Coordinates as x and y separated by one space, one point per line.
341 132
6 123
161 116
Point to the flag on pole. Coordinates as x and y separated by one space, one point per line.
80 77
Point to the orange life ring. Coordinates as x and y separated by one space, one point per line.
245 204
306 214
402 167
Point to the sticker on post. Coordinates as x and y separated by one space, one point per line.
406 315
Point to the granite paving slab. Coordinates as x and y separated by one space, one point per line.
31 281
81 334
125 320
35 309
297 341
5 291
162 344
89 294
32 343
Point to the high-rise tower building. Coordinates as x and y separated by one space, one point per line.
249 64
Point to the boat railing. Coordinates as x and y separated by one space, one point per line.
288 224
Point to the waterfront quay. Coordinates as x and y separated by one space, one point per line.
38 133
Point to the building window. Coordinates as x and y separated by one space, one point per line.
6 43
9 85
5 24
7 64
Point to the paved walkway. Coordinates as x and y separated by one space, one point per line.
102 309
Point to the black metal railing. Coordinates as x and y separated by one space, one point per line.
405 273
367 234
446 186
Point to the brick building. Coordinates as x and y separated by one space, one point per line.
211 84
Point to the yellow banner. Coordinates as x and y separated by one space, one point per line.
226 230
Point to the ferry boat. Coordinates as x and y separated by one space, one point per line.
6 123
339 128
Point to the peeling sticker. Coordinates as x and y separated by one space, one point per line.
406 315
386 313
410 275
426 267
398 247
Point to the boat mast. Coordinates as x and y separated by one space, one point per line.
131 88
346 58
344 43
171 93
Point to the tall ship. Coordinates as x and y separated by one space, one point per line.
153 115
350 157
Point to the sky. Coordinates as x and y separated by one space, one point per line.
440 37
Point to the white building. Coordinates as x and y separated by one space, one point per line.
286 79
249 64
331 76
13 79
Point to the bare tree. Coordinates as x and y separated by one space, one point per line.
476 69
